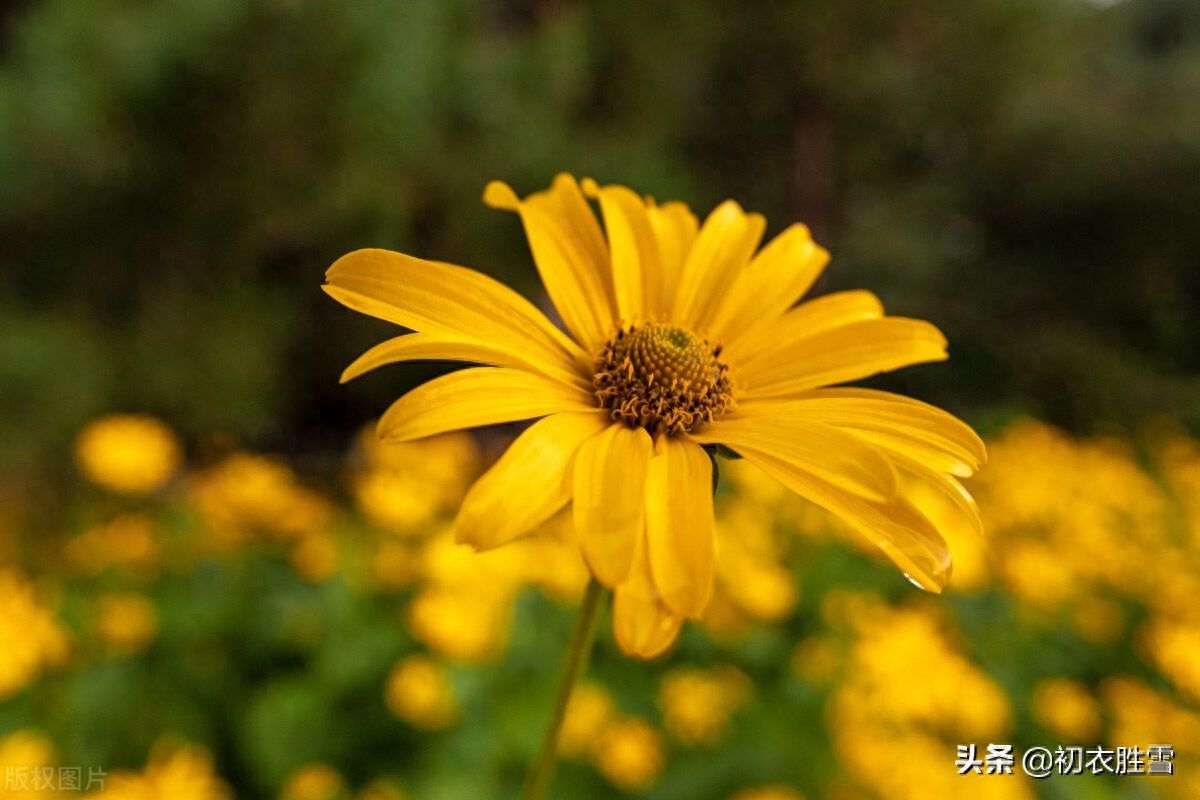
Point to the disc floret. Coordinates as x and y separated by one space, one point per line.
663 378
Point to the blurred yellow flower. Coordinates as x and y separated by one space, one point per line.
314 782
1139 714
629 754
125 622
697 704
459 624
1076 521
1174 647
1066 708
128 453
418 691
246 494
177 771
381 789
31 639
405 486
892 733
678 335
768 793
23 756
314 556
816 660
589 710
750 583
128 541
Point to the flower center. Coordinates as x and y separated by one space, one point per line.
663 378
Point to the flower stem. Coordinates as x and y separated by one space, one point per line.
538 780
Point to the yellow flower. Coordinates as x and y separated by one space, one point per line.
381 789
315 556
1066 708
127 453
314 782
176 771
589 710
629 754
678 335
697 705
128 541
248 493
125 622
418 692
31 639
769 793
30 771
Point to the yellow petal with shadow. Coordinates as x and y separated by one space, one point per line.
675 228
448 347
847 353
609 509
432 297
570 253
896 527
636 261
680 530
478 396
643 625
837 457
722 248
773 280
807 319
529 483
889 420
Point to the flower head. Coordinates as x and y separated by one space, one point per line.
128 453
677 336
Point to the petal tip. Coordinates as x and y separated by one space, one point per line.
498 194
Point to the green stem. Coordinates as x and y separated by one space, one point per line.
538 780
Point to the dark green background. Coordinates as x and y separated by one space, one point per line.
176 176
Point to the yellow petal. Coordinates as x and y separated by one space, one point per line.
945 485
835 456
896 527
722 249
847 353
610 488
636 263
570 253
450 347
679 525
775 278
643 626
478 396
431 297
807 319
890 420
530 482
675 228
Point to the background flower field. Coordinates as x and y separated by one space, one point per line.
216 583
